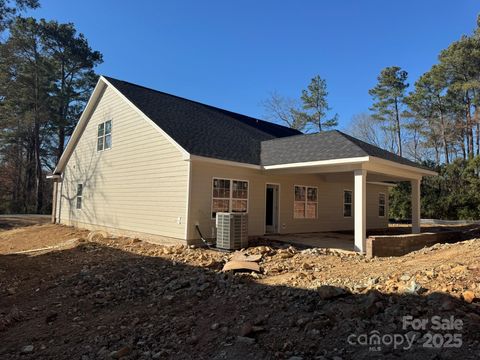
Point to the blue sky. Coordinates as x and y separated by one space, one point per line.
232 54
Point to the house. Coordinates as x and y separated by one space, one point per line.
147 164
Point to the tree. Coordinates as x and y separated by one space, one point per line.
364 127
25 85
315 105
74 76
10 9
429 108
388 97
284 110
461 63
46 74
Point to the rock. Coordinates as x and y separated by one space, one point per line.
11 291
124 351
245 340
51 317
405 277
414 288
326 292
246 329
306 266
192 340
214 326
468 296
27 349
447 305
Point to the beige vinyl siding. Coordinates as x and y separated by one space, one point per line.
139 185
330 200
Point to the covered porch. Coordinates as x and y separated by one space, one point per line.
360 171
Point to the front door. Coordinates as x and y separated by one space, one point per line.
271 209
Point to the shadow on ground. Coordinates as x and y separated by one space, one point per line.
89 301
8 222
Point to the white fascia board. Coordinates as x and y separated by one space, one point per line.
185 153
417 170
344 161
381 183
81 124
222 162
54 176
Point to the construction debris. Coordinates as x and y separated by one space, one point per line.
241 265
119 298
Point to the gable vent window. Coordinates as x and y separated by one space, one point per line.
347 203
229 196
79 195
305 204
104 136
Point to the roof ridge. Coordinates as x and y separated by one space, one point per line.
305 135
209 107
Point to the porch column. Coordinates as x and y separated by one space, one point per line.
360 214
416 205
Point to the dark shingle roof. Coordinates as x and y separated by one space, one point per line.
202 129
325 145
208 131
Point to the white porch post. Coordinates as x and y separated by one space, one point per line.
416 205
360 214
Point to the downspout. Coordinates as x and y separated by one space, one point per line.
54 202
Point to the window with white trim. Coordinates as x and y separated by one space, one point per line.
381 204
347 203
79 195
104 135
305 202
229 196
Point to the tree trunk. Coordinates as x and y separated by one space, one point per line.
398 130
36 137
444 138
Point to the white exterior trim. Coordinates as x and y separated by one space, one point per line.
231 194
82 123
344 203
185 153
355 160
306 201
222 162
381 183
375 160
87 112
189 196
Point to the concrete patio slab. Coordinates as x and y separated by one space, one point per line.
331 240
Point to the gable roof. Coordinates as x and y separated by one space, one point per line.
326 145
207 131
201 129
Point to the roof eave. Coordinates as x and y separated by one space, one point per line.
80 127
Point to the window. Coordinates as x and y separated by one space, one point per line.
347 203
104 136
381 205
79 195
229 196
305 202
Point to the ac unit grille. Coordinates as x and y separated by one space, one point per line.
232 231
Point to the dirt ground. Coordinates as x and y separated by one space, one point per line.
107 298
